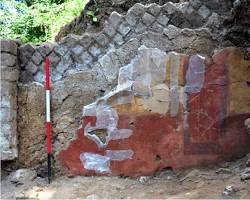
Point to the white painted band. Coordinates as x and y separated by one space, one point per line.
47 105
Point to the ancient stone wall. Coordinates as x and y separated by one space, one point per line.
84 23
168 110
8 82
86 67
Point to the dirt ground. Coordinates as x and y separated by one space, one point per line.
221 181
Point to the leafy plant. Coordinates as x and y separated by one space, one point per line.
93 13
36 20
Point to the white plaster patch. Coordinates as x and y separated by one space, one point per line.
96 162
174 81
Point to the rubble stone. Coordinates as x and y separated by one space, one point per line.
204 11
115 19
148 19
22 176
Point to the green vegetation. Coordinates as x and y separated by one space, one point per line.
36 20
93 13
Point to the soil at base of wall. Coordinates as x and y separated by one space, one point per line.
220 182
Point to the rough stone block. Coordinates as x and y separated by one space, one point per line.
140 28
156 27
26 52
118 39
169 8
54 59
26 76
78 49
124 28
163 19
109 30
132 19
39 77
115 19
190 10
31 67
195 3
148 19
86 40
21 176
95 50
8 46
70 40
102 39
171 31
86 58
154 9
65 63
8 59
182 8
204 12
37 58
45 49
61 50
137 10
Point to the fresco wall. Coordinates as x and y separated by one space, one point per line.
90 66
168 110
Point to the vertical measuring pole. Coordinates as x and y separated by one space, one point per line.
48 123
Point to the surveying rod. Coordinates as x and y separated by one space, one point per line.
48 123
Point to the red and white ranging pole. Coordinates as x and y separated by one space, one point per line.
48 123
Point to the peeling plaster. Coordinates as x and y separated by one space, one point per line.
96 162
106 122
101 164
153 79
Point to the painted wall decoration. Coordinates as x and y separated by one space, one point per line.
168 110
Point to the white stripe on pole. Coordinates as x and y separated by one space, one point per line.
47 105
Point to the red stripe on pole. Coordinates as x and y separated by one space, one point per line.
48 124
47 74
48 127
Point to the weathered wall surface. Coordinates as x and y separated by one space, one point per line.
168 110
84 23
86 67
8 82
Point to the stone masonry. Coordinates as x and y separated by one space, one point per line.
86 67
9 76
